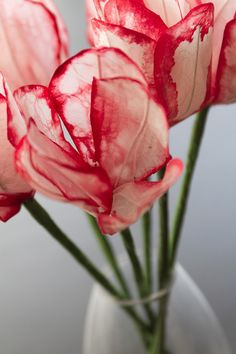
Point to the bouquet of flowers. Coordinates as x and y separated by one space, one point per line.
93 129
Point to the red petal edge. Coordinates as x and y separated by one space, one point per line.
132 200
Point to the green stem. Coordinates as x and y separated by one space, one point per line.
193 153
163 241
109 254
44 219
159 339
136 265
166 264
147 246
158 345
137 269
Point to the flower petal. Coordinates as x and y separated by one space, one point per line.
8 212
34 178
226 77
132 200
133 15
60 28
13 189
130 130
23 23
38 156
182 64
70 91
34 103
136 45
90 187
225 11
16 127
91 13
10 204
171 11
99 6
10 182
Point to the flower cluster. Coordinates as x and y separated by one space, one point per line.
95 131
186 48
117 136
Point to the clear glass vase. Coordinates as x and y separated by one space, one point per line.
192 326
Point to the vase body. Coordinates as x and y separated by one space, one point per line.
192 326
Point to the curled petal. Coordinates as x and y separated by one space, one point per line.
88 188
133 15
16 127
132 200
34 103
136 45
31 27
8 212
10 204
130 130
226 78
55 173
70 91
183 64
33 177
99 6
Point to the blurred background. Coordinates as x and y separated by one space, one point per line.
43 292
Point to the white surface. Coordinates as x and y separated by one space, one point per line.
43 293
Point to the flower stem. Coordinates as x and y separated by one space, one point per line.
158 345
109 254
44 219
159 338
131 250
163 251
193 153
147 246
168 250
129 245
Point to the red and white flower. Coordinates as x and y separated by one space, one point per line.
13 189
117 136
33 41
186 48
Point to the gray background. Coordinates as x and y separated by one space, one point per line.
43 293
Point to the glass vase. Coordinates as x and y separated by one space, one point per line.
192 326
